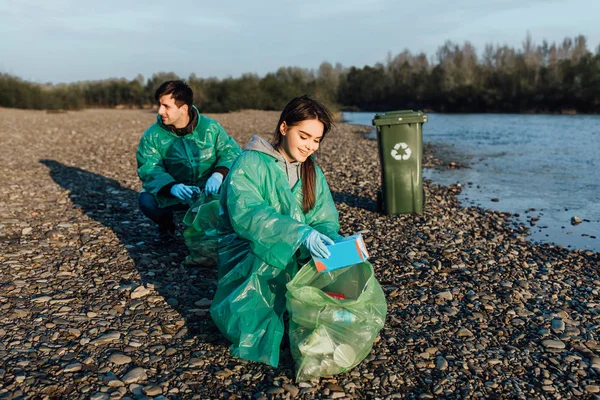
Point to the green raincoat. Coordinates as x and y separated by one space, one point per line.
163 157
262 228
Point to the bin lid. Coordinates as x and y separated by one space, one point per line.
399 117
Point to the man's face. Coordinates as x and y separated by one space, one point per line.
170 113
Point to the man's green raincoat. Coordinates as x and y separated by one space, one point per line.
164 157
262 228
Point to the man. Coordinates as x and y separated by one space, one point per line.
182 153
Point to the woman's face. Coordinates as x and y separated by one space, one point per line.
301 140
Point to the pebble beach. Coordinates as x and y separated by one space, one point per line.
92 308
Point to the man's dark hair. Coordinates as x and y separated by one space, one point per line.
180 91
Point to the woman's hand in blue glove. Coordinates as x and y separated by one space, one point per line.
316 242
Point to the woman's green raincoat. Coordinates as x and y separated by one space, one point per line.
164 157
262 228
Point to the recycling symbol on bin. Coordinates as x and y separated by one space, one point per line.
401 151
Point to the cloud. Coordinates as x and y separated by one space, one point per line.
45 39
110 15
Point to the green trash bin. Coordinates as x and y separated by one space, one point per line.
400 138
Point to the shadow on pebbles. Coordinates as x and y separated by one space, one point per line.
91 307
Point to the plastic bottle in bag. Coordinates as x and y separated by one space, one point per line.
336 316
311 317
307 317
311 367
317 343
328 367
344 355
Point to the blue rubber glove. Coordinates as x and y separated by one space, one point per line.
213 183
315 243
182 192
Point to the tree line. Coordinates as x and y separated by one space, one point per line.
545 78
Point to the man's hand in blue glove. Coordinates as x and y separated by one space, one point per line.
213 183
315 243
182 192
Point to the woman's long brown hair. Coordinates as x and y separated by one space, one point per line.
297 110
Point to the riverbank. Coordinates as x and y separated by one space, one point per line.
523 165
90 307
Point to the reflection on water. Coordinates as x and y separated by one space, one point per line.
542 162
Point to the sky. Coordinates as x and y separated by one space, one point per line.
75 40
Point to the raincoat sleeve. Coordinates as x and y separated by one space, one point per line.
324 215
151 169
226 149
273 237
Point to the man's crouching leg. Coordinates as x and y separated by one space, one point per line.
163 217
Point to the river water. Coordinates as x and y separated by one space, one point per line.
538 166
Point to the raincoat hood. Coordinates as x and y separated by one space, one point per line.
259 144
292 169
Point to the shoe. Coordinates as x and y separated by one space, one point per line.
166 234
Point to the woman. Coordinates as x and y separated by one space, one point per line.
276 211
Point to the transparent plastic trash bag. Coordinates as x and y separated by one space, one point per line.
200 235
329 334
